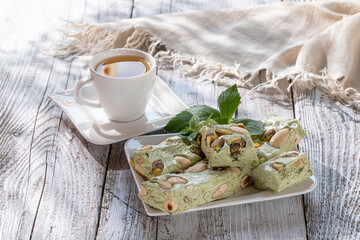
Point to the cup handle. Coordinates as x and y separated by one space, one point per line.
79 85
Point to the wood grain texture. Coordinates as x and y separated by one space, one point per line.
332 144
253 221
56 185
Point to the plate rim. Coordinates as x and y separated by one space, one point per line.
204 207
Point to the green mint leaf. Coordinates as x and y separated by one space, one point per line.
228 102
253 126
182 120
194 122
221 120
192 136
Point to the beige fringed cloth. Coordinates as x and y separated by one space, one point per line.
313 44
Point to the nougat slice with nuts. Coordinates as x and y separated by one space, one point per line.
228 145
282 134
282 172
172 155
175 193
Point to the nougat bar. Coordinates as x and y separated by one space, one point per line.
282 134
175 193
282 172
228 145
172 155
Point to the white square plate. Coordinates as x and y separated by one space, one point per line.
248 195
94 126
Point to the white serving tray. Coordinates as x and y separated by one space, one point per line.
248 195
94 126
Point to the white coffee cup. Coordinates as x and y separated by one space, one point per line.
123 99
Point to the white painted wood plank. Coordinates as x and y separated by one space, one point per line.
332 145
71 202
48 172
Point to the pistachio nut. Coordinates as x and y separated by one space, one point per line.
131 162
223 131
186 199
245 181
184 162
217 144
269 134
261 159
237 147
170 205
220 191
234 139
143 191
157 167
165 185
210 138
154 180
148 147
199 152
175 180
239 130
278 166
140 160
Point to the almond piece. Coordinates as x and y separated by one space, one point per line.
143 191
220 191
184 162
190 188
280 138
175 180
298 163
234 169
139 170
197 168
165 185
239 130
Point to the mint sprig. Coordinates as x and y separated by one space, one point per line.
187 122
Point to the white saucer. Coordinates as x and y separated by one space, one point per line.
94 126
248 195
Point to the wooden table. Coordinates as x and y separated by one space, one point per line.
56 185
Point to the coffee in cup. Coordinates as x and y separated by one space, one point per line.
123 80
123 66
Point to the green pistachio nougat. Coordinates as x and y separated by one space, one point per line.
172 155
175 193
228 145
282 134
282 172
